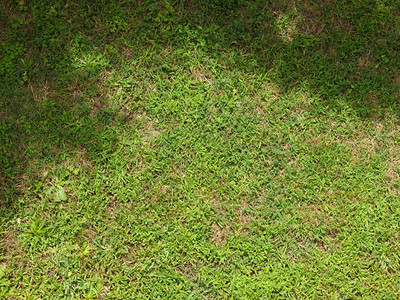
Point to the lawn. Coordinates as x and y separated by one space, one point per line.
188 149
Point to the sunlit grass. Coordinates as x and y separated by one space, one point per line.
199 150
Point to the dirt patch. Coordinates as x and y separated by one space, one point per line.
314 214
362 145
361 149
126 53
89 233
8 246
199 74
149 130
244 217
396 81
80 161
104 87
268 94
112 206
75 89
220 234
185 271
42 90
365 60
150 133
287 27
393 170
4 116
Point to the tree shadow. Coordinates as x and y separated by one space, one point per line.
53 101
347 54
43 132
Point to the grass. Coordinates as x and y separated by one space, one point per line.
182 149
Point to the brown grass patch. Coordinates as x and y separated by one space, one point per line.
8 246
219 235
393 169
287 28
4 116
244 217
314 214
149 131
361 149
112 206
396 81
42 90
185 271
265 98
75 89
126 53
365 60
361 145
200 74
103 85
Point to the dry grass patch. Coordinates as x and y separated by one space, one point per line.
393 169
362 145
287 27
361 149
396 82
126 53
314 214
220 234
244 216
42 90
4 116
365 60
8 245
200 74
149 130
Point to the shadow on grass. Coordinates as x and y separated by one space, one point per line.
347 54
52 106
44 132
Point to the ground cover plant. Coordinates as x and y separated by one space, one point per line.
199 150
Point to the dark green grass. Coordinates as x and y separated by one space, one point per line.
183 149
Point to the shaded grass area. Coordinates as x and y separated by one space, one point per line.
183 149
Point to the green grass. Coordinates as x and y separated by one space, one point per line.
199 150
